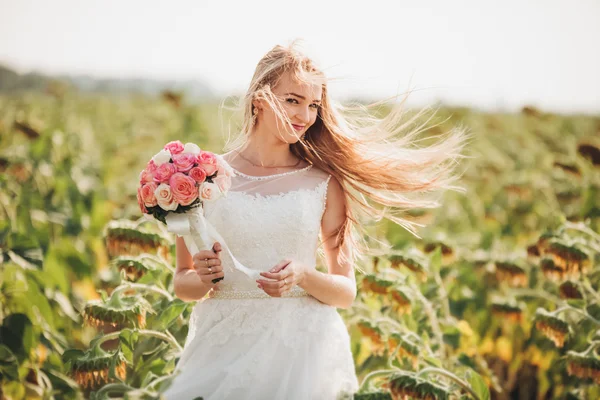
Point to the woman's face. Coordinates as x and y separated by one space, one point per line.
299 101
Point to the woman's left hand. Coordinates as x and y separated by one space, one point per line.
283 277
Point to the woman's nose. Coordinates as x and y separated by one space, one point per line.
303 115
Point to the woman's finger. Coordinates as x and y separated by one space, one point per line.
204 254
281 265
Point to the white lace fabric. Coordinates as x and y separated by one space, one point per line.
265 219
266 348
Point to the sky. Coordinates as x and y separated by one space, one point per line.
491 55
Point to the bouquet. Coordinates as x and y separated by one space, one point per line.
173 188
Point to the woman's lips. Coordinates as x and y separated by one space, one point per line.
298 127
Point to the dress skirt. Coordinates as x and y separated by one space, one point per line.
293 348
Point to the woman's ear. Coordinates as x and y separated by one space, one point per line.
258 104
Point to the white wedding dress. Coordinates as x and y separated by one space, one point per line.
244 344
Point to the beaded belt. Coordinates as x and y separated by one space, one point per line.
253 294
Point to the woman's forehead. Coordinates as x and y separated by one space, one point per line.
289 85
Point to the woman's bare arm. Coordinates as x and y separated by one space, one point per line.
192 280
338 286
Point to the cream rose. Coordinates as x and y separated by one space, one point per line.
209 191
164 197
161 157
191 148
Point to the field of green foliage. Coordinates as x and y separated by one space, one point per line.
499 299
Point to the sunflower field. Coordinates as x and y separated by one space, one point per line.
498 298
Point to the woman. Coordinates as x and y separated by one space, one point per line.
301 169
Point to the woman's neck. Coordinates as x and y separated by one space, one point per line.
263 149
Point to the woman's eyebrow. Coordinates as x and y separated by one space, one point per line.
302 97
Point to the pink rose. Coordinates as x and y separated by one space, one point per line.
146 176
209 191
164 172
197 174
183 188
148 194
174 147
151 166
223 182
184 162
140 201
164 197
208 162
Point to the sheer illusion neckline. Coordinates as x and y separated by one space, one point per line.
260 177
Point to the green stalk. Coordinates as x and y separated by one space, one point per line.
373 374
169 339
141 286
450 376
562 306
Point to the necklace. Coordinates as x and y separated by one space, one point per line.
262 166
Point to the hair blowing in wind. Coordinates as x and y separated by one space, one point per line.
377 161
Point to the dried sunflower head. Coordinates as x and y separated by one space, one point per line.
544 240
124 311
568 257
583 366
551 271
133 267
407 386
447 251
124 237
400 301
376 285
570 290
404 347
533 252
91 369
552 327
509 312
375 334
375 263
414 264
511 273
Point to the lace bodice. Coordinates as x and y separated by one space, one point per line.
265 219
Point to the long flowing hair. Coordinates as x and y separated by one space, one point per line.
376 161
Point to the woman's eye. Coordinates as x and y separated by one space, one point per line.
294 101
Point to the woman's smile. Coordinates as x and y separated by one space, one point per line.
298 127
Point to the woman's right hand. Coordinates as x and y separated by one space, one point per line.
207 264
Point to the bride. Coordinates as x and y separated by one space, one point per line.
301 171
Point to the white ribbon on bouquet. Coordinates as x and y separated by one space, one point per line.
199 234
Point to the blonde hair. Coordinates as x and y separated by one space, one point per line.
373 159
